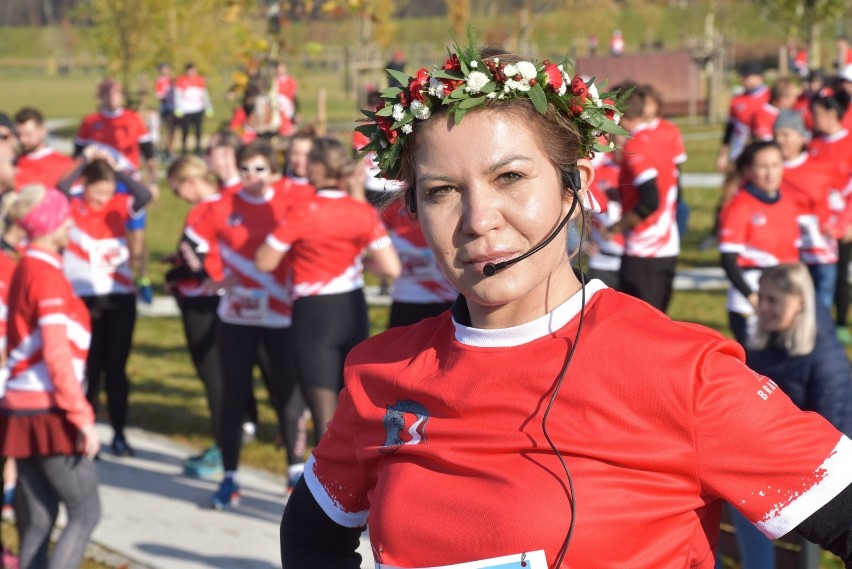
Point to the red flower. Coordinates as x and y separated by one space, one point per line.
579 88
452 63
385 123
610 113
575 107
403 99
418 85
554 76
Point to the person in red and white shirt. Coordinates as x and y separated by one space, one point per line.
544 422
100 266
192 104
164 89
46 424
783 95
122 130
648 196
421 290
605 248
832 143
758 229
255 308
741 114
326 242
286 89
38 163
812 184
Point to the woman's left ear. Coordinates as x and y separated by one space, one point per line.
586 177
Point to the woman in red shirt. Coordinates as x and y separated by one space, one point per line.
46 424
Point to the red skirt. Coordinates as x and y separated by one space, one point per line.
24 434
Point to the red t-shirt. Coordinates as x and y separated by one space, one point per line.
123 130
236 225
7 267
45 166
650 154
761 234
421 280
741 114
212 263
97 258
41 296
763 122
437 441
325 239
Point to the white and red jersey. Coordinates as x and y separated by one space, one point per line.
41 296
421 280
212 259
163 88
834 152
45 166
191 94
648 156
325 239
123 130
285 91
607 252
809 184
670 136
442 414
7 268
237 224
763 122
97 258
740 116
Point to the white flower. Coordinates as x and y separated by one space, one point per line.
406 128
473 64
510 70
436 88
593 93
476 81
585 116
612 144
517 85
420 111
616 118
526 69
562 88
492 94
496 60
398 112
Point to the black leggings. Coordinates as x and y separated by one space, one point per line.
195 120
405 313
238 351
44 482
325 328
113 317
201 327
841 290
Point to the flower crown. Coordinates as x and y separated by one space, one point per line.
467 81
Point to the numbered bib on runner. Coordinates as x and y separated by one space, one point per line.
531 560
246 305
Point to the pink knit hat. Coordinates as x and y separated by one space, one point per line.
48 215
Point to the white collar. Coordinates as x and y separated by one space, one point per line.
530 331
797 161
43 256
836 136
112 114
265 198
39 154
332 193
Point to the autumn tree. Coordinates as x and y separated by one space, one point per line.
805 18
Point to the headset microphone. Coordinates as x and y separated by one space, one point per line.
570 180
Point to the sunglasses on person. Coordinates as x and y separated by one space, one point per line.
257 168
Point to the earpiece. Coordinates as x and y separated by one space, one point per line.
571 179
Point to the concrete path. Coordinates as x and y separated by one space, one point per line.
153 516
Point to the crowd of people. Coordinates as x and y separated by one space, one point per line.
268 272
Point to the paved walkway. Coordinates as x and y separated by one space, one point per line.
153 516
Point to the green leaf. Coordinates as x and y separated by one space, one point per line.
408 118
366 129
400 76
464 67
598 147
459 114
447 74
489 87
471 102
612 128
538 98
385 111
370 114
458 93
560 104
391 92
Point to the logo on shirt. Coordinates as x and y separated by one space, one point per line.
235 219
759 218
405 424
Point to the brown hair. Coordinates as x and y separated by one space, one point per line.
26 114
98 171
260 148
191 167
331 153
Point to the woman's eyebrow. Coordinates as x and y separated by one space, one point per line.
508 160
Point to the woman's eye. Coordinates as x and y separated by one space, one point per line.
437 191
509 177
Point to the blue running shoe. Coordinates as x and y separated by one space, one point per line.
226 497
205 465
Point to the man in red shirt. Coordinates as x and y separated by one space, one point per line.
120 129
38 163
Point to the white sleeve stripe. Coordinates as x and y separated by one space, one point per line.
645 176
54 319
731 247
331 508
380 243
838 469
276 244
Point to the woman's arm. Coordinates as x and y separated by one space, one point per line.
64 185
309 538
140 192
383 262
830 527
735 274
269 254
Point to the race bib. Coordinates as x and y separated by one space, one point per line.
106 256
250 306
531 560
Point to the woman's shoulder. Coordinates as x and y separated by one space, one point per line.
401 344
